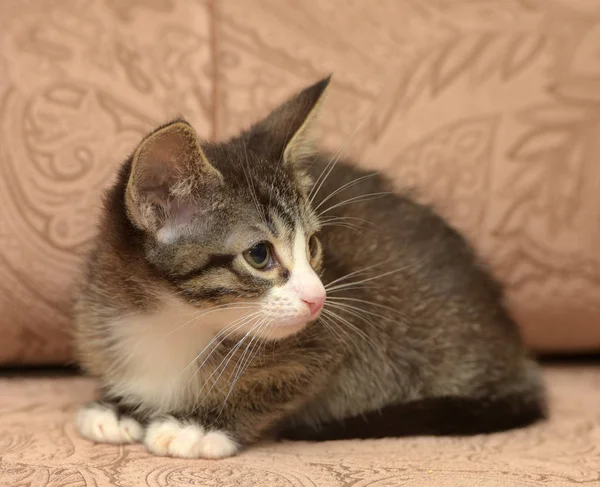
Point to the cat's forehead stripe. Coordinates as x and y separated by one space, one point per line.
285 215
286 242
282 242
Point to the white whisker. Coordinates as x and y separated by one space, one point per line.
354 273
330 326
333 161
242 365
354 309
357 199
346 285
341 320
212 309
370 303
223 365
231 328
344 187
250 184
345 219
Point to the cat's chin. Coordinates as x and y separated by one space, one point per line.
284 330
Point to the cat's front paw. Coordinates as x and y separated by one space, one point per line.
100 423
169 437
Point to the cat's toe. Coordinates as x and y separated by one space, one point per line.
218 444
131 430
160 435
101 424
188 442
173 438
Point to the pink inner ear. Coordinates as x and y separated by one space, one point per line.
167 167
181 210
157 195
177 221
156 173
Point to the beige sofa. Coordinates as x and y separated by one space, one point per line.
39 447
489 109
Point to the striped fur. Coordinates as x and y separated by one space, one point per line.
207 353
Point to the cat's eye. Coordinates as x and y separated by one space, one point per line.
313 246
259 256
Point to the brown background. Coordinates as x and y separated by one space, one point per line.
490 108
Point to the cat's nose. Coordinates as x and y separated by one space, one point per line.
315 304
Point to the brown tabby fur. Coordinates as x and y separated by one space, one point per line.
423 321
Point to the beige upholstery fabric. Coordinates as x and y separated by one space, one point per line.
39 447
491 109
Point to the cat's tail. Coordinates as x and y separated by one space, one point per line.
448 416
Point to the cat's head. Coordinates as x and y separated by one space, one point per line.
231 224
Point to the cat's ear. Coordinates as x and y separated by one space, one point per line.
287 133
169 172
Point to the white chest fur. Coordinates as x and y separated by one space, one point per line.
159 354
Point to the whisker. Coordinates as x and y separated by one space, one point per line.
364 315
250 184
334 160
223 365
352 287
342 223
213 309
231 328
240 324
254 331
327 322
354 309
242 365
370 303
262 344
343 335
357 199
354 273
349 226
376 347
344 187
399 269
329 219
245 353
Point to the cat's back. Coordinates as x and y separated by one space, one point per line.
430 300
371 222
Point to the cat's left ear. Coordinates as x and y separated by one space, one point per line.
170 178
287 133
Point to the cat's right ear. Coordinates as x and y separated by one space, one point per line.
169 174
287 133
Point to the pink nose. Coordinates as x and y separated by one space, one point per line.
314 304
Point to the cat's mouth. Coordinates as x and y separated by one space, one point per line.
278 324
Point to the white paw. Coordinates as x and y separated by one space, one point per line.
100 424
217 444
177 439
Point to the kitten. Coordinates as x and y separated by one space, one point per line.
204 316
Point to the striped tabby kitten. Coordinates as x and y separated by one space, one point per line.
255 288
